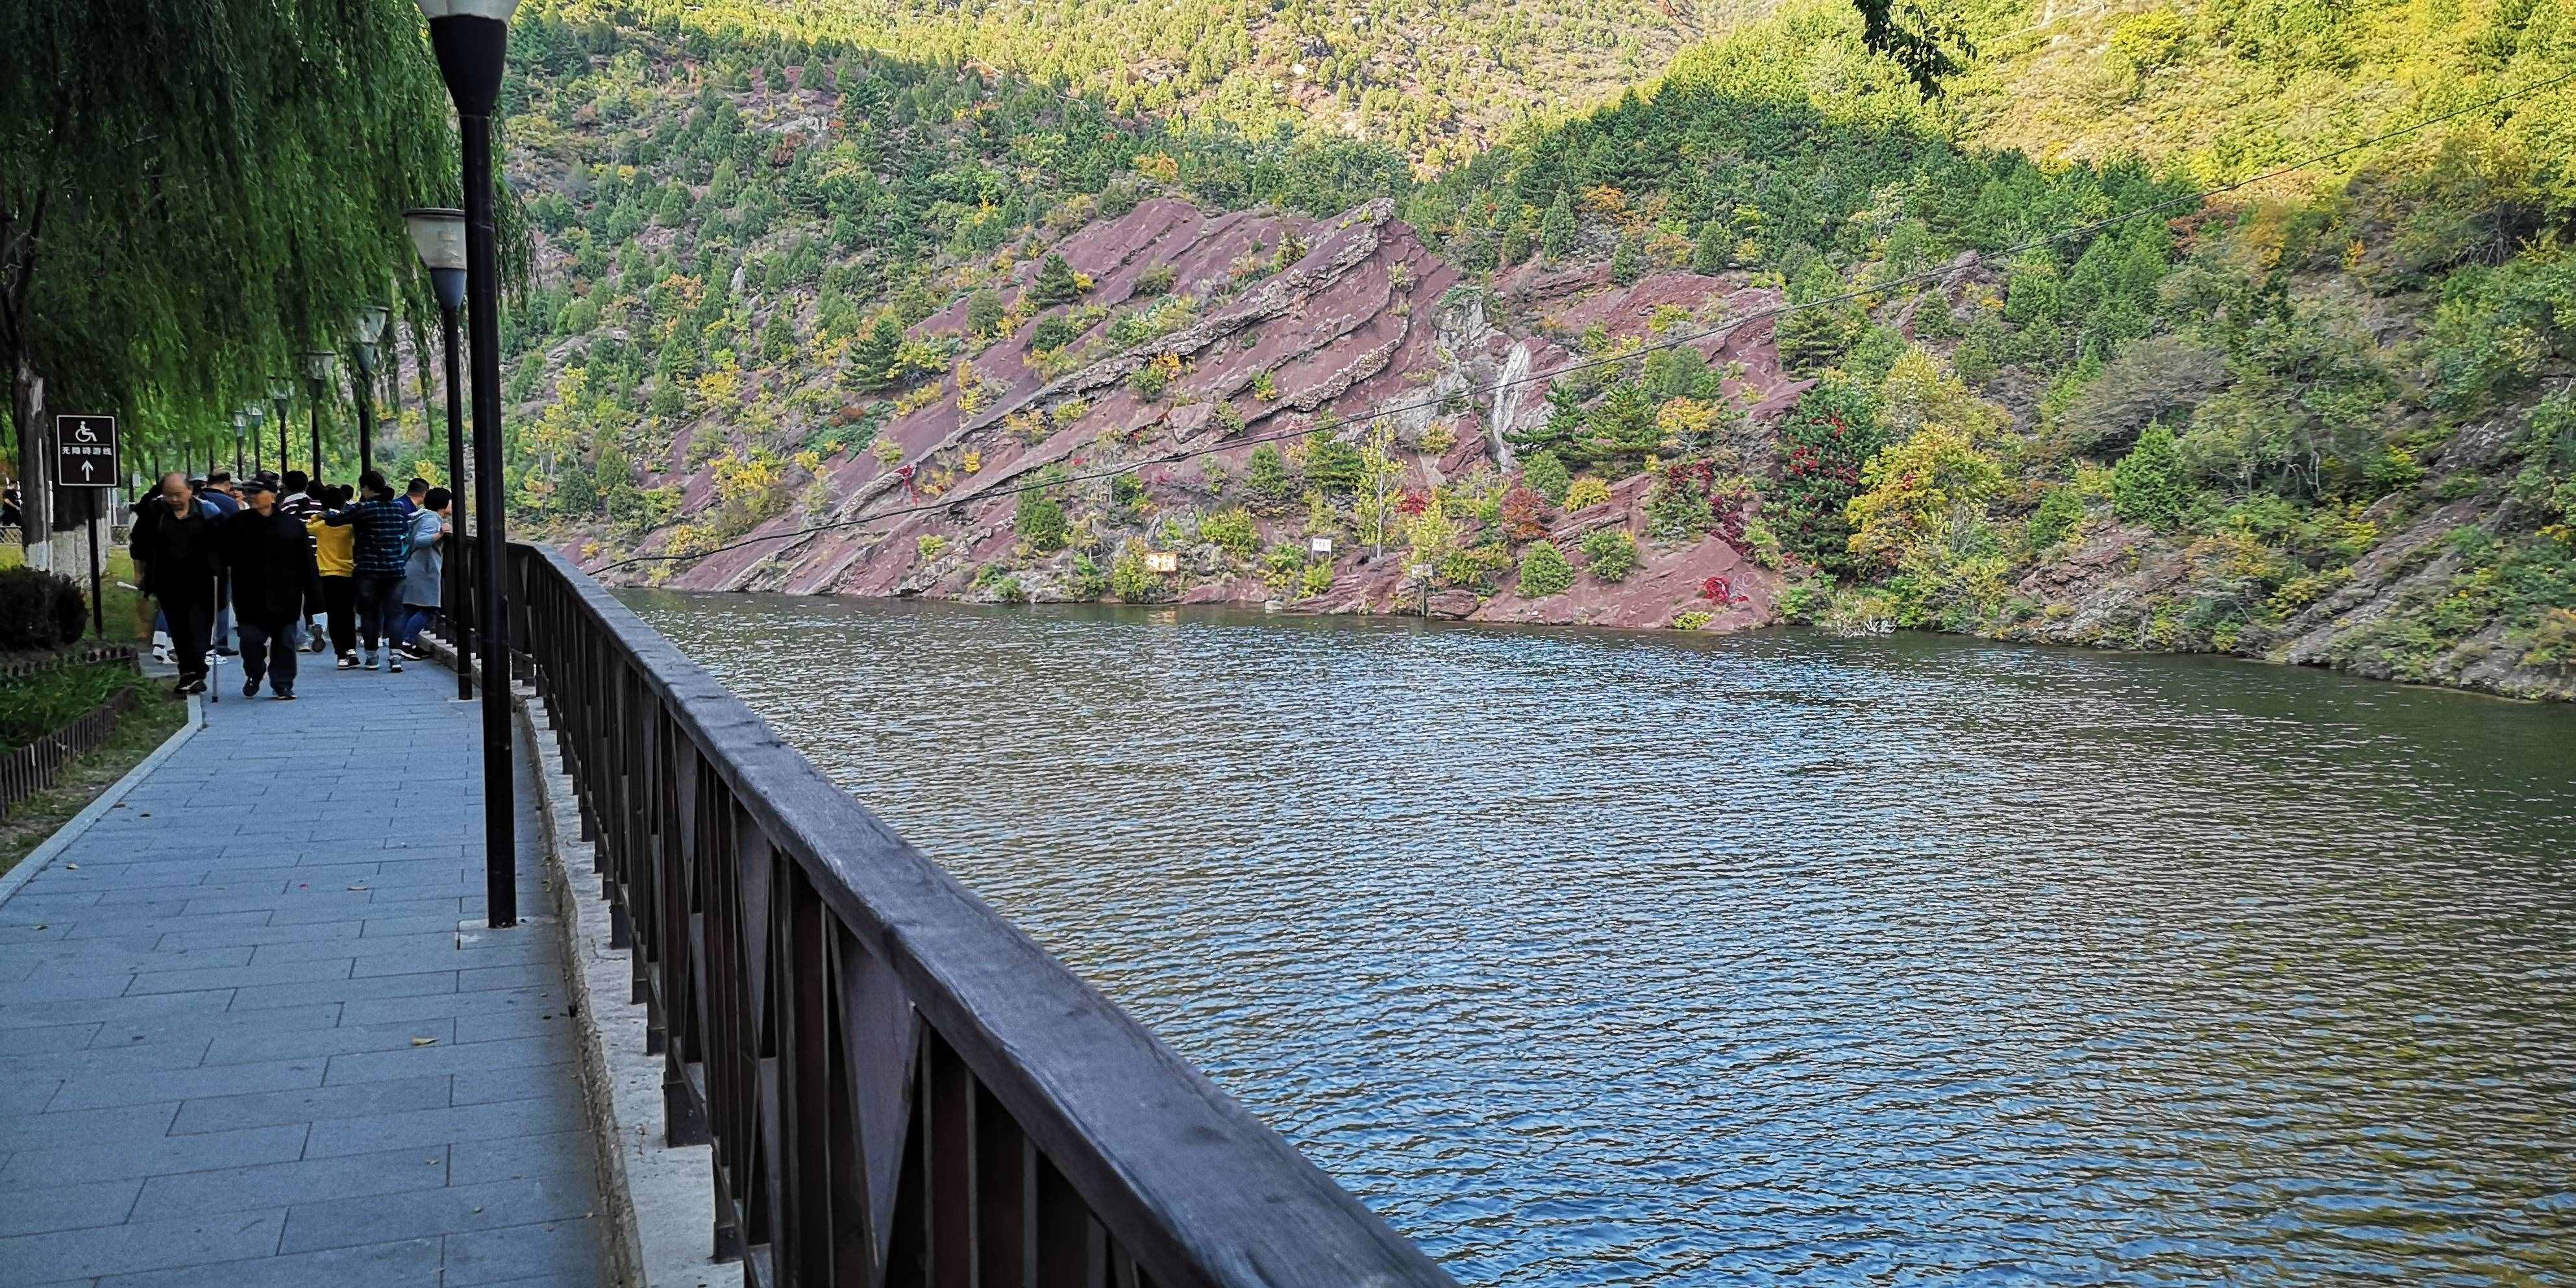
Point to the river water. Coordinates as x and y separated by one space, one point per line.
1590 958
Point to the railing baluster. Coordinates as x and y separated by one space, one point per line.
1069 1248
949 1089
1002 1197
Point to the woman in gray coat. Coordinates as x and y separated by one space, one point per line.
421 572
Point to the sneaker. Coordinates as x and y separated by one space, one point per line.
314 643
369 664
250 688
393 663
348 661
283 697
161 653
196 684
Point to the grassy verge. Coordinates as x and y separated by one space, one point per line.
154 718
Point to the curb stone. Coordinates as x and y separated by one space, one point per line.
659 1230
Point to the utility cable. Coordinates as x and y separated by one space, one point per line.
1625 355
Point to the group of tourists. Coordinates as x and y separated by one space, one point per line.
262 560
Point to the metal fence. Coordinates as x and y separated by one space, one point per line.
900 1086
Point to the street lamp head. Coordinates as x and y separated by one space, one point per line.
365 352
258 414
496 10
317 364
469 37
280 388
241 421
438 234
371 322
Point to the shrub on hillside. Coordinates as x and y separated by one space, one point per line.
2147 485
1544 571
1546 475
1040 521
1610 553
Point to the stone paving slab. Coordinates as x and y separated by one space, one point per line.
254 1033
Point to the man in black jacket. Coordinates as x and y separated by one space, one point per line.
275 583
178 557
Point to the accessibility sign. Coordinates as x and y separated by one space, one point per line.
85 451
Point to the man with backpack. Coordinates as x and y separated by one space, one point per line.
383 552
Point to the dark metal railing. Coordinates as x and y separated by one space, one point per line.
900 1087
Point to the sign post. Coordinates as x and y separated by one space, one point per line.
85 456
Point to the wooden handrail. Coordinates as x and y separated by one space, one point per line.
900 1086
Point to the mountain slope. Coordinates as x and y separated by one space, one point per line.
2324 421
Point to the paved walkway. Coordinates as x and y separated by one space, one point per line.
253 1030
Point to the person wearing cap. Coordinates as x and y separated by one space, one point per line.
275 583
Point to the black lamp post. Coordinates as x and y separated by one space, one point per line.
439 235
258 422
471 38
317 379
279 390
241 425
371 323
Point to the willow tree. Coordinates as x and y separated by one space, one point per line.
192 194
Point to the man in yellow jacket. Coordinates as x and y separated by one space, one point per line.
335 549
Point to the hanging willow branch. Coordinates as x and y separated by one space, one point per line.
193 194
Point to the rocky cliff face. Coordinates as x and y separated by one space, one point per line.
1361 339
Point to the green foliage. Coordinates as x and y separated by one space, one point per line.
1054 331
1131 581
984 312
1556 230
1609 553
1547 476
1267 477
1713 249
1335 466
1544 571
32 706
1627 262
2147 486
196 194
872 359
1055 284
2055 519
1676 511
1086 581
1039 519
1824 443
1231 531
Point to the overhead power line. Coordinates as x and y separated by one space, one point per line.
1333 423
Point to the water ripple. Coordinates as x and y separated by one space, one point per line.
1594 959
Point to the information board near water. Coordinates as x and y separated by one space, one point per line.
1592 958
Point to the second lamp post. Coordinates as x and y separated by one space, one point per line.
439 235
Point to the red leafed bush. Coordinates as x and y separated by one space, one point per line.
1524 514
1721 592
